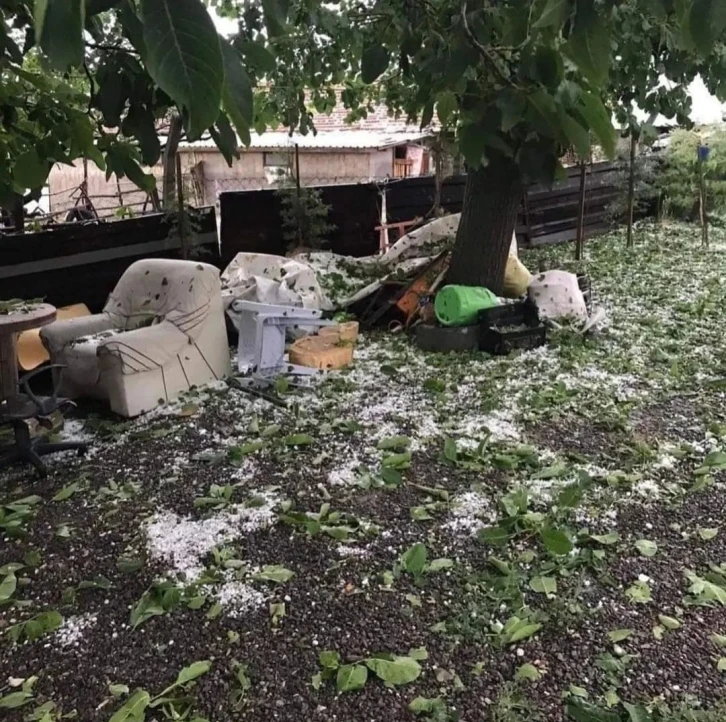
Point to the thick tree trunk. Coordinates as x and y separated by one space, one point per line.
488 219
172 145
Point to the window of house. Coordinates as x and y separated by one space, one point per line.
399 152
275 160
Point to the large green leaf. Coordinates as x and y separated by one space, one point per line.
589 48
237 95
275 14
139 123
59 29
257 55
580 140
30 171
226 140
554 14
184 58
373 62
93 7
472 144
707 21
400 670
131 26
597 118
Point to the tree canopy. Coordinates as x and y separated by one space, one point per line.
514 83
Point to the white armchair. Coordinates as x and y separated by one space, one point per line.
161 332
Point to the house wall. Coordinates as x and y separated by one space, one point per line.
207 175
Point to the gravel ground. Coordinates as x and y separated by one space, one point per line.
531 538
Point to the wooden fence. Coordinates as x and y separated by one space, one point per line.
250 220
81 262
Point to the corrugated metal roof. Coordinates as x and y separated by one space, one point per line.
324 139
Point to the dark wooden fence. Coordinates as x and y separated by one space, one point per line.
250 220
81 263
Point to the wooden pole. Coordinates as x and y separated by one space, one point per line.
704 209
181 211
580 241
299 194
631 188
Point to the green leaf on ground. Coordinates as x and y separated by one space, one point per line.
399 671
438 565
7 587
329 659
67 492
275 573
646 547
618 635
134 707
299 440
394 443
707 534
669 622
543 585
606 539
351 677
528 672
556 541
414 559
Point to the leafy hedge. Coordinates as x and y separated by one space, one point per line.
678 177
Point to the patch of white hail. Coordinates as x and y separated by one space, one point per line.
183 542
348 550
238 597
470 512
71 632
346 473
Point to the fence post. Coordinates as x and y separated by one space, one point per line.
181 211
580 242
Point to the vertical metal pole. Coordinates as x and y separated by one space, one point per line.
580 242
299 213
181 211
704 209
631 188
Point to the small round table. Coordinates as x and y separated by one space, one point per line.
11 324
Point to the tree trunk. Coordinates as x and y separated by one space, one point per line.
491 203
631 188
172 145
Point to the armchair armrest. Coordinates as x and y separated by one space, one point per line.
143 349
59 334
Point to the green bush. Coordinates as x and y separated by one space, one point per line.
679 183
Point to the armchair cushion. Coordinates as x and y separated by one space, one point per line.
161 332
143 349
61 333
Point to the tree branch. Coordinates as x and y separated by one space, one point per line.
483 50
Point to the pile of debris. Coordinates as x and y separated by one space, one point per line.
404 289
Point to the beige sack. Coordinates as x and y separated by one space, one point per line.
516 278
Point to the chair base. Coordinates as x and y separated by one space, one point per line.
29 450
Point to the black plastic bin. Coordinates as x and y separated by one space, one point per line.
500 342
509 314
